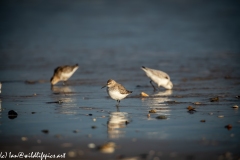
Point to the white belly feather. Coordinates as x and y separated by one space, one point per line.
116 95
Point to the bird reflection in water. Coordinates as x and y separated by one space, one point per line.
67 97
117 120
157 101
61 89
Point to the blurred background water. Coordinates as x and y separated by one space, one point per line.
195 42
103 36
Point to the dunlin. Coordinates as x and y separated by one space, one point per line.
63 73
159 77
116 91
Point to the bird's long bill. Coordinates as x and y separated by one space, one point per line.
104 86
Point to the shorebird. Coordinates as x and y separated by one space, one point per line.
159 77
116 91
63 73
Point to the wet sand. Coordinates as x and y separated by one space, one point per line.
196 43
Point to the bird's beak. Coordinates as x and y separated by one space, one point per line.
104 86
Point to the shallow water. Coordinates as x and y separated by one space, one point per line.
196 43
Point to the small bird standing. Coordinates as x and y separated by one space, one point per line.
159 77
63 73
116 91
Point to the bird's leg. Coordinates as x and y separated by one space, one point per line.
118 103
153 86
118 106
64 83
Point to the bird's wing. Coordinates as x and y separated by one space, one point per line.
67 69
158 73
161 74
64 71
123 90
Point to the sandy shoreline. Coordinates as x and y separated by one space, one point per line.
76 148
